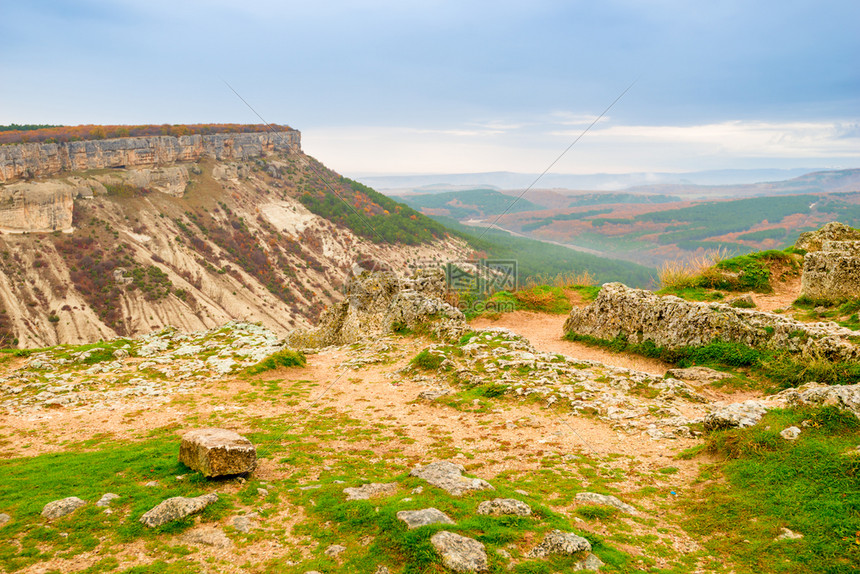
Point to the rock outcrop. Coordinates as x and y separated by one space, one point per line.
217 452
378 303
38 160
671 322
833 272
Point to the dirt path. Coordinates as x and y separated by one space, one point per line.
545 333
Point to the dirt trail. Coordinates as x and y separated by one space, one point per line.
545 333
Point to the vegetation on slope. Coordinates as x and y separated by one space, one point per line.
469 203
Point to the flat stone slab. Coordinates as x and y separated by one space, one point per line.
366 491
504 506
106 499
605 500
459 553
217 452
560 543
176 508
701 374
449 477
207 536
423 517
62 507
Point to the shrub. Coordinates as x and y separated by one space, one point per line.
283 358
428 361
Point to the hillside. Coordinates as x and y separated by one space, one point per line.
123 237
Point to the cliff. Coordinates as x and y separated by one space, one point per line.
39 160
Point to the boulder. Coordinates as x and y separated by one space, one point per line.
449 477
813 394
106 499
834 231
423 517
590 563
217 452
459 553
62 507
4 518
176 508
504 506
560 543
790 433
605 500
639 315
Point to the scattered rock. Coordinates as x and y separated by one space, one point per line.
504 506
4 519
151 484
459 553
842 396
217 452
176 508
787 534
605 500
742 302
106 499
433 394
382 570
449 477
791 433
370 490
737 415
701 374
63 507
561 543
245 523
207 536
262 492
424 517
334 550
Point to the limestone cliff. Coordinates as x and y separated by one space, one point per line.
38 160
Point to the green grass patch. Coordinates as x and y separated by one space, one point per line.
809 486
283 358
541 298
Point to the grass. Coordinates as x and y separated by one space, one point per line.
27 484
768 483
278 359
539 298
752 272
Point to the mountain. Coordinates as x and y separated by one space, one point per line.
121 237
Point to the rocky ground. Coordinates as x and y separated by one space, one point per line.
590 448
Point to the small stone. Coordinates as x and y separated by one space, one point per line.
207 536
382 570
459 553
217 452
560 543
504 506
590 562
606 500
176 508
424 517
262 492
371 490
63 507
334 550
787 534
4 519
106 499
151 484
449 477
432 394
791 433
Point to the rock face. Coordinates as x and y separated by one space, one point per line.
833 272
459 553
842 396
560 543
63 507
37 160
42 206
639 315
833 231
449 477
504 506
423 517
176 508
217 452
378 302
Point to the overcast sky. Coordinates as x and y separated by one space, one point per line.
438 86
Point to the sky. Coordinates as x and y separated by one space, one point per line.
438 86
